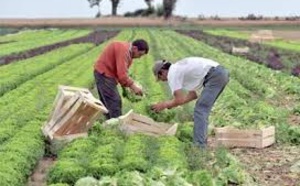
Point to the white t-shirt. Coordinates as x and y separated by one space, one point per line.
189 73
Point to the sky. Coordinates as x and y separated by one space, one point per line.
189 8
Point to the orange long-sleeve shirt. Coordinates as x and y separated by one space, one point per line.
115 61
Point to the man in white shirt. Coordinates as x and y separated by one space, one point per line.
191 74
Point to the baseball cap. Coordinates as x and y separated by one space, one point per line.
158 66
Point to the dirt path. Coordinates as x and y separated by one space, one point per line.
287 35
39 176
271 166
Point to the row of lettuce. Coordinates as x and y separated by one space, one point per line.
114 158
109 157
144 160
29 39
252 99
11 76
277 55
25 108
255 97
277 42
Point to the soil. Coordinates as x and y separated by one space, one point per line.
294 120
287 35
39 176
270 166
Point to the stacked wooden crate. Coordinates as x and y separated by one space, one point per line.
74 112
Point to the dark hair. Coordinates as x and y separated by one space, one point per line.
166 65
141 44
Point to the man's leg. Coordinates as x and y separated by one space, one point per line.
214 84
109 95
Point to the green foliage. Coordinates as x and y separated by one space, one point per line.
87 181
128 94
103 162
200 178
221 156
296 110
108 181
167 176
59 184
79 148
171 153
134 157
185 132
294 133
152 149
232 175
198 159
133 178
141 12
166 115
288 134
66 171
9 176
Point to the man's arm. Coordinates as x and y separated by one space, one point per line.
180 98
122 66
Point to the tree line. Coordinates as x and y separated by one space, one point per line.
165 9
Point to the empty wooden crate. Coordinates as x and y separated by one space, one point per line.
74 112
231 137
63 95
136 123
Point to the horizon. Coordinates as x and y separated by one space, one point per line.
33 9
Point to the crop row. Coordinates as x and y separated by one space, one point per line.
251 94
14 74
273 57
163 160
24 109
36 39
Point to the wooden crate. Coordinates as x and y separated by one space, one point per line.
74 112
135 123
63 95
231 137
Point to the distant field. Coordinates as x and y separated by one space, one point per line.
122 21
255 98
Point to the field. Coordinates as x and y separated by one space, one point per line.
48 53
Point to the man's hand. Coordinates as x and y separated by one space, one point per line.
158 107
136 89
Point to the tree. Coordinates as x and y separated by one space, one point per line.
114 5
95 3
149 3
169 6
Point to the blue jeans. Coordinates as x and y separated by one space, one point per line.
214 83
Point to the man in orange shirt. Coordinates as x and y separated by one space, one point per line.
111 68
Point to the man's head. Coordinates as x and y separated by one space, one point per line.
161 69
139 48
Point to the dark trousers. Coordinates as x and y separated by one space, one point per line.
109 95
